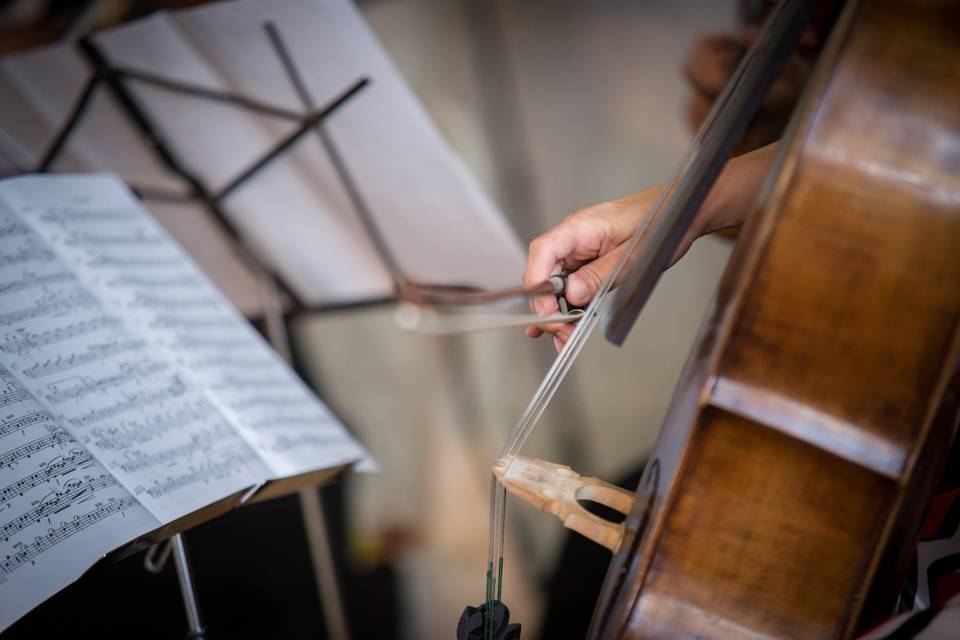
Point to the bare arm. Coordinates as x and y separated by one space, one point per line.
588 244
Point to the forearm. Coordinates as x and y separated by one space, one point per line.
735 190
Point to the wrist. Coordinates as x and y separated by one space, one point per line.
734 193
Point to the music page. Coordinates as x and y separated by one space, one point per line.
131 393
127 403
129 261
60 509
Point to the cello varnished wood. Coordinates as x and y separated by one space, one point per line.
816 406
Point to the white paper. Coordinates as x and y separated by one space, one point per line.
101 380
130 262
437 221
131 393
60 509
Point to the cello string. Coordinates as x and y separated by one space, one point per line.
655 226
652 229
523 429
545 393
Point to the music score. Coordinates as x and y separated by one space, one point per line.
131 393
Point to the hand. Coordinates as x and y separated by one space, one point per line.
589 243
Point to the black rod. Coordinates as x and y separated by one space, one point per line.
76 112
307 124
363 212
160 195
156 142
14 154
186 88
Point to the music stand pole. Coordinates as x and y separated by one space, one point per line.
311 502
185 578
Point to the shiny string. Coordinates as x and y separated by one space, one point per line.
641 247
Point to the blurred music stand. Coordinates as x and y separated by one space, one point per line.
279 297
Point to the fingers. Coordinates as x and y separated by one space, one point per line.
542 306
582 286
561 335
586 245
584 283
556 330
542 260
546 258
563 247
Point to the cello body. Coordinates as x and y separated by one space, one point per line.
785 493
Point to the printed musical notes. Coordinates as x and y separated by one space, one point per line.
24 252
22 340
28 552
91 353
12 393
52 491
127 258
47 303
29 279
60 465
105 372
31 448
73 491
15 423
131 393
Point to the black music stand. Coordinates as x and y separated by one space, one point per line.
286 301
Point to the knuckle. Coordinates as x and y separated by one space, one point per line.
593 280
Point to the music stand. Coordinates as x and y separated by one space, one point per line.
114 78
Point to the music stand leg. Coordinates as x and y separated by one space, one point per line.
311 502
318 539
185 577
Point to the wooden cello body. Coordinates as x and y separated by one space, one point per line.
785 493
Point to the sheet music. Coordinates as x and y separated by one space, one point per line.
129 260
131 393
419 192
123 400
60 509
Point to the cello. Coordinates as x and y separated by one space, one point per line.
784 496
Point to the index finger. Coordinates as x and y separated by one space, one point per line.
546 257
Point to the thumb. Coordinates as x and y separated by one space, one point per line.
583 284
